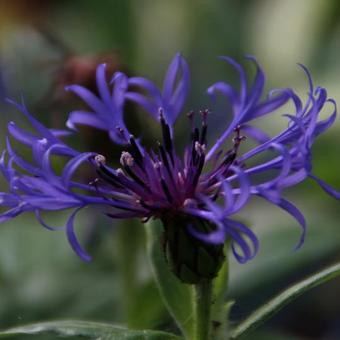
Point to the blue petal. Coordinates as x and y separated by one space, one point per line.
72 238
85 118
326 187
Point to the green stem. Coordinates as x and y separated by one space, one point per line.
202 310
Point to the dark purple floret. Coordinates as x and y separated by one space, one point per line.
200 184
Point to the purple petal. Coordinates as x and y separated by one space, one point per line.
120 82
145 103
257 134
238 231
298 216
21 135
73 239
174 94
19 161
73 165
88 97
326 187
258 85
170 77
244 189
147 85
85 118
102 86
243 77
9 214
213 237
268 106
228 91
36 124
44 224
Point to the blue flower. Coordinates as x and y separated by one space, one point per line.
211 184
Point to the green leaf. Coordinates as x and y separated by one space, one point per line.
177 296
219 311
87 329
268 310
150 302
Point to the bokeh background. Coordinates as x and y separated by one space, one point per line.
46 44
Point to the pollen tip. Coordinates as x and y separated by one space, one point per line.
126 159
199 148
100 160
119 171
190 114
189 203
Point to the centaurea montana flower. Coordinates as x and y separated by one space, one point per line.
195 195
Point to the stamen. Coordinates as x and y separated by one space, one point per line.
136 151
238 138
94 183
195 135
126 159
203 139
199 148
229 157
136 178
166 191
198 170
204 115
166 133
164 158
157 165
99 160
144 204
108 176
180 179
191 115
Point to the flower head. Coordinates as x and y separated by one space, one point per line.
201 187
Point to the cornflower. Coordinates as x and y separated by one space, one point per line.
195 192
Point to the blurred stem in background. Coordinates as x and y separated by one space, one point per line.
129 241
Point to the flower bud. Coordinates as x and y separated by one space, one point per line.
190 259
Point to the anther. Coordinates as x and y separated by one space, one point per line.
199 148
238 138
190 203
94 183
157 165
191 114
126 159
204 115
99 160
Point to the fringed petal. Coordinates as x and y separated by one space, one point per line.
326 187
72 238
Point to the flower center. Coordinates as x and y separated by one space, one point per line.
161 183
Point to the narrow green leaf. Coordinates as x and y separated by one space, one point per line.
219 313
177 296
272 307
87 329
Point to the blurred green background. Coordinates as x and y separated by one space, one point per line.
41 44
